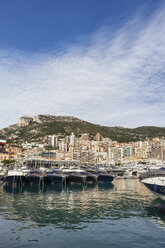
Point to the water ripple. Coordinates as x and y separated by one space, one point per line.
124 210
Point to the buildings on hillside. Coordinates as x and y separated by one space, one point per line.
96 150
5 154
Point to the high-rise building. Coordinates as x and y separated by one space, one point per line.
72 139
84 156
52 140
63 146
156 152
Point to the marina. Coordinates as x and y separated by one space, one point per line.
90 172
47 201
74 203
49 175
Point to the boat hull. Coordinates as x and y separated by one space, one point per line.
105 178
15 179
157 190
89 177
101 175
157 186
76 178
53 178
34 179
1 177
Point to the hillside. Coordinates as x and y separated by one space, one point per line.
37 128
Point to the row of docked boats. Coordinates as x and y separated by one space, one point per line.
153 177
53 176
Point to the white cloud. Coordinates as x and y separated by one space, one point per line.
117 80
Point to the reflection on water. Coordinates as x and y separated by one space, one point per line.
77 207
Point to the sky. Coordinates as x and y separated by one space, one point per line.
102 61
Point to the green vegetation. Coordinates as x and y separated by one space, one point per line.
8 162
37 132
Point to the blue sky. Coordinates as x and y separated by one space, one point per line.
99 60
37 25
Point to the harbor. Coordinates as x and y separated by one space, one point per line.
119 214
61 202
82 134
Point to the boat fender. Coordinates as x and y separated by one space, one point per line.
155 187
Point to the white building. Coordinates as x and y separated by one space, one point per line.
72 139
52 140
63 146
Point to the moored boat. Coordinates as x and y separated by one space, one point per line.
156 185
105 177
15 177
54 177
89 176
152 173
75 177
102 176
37 177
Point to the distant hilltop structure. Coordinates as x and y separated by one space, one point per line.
26 120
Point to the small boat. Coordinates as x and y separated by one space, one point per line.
105 177
89 177
15 177
55 176
131 174
73 174
156 185
37 177
75 177
152 173
116 170
102 176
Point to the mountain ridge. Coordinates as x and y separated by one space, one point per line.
37 128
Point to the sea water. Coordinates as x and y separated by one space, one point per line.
119 214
